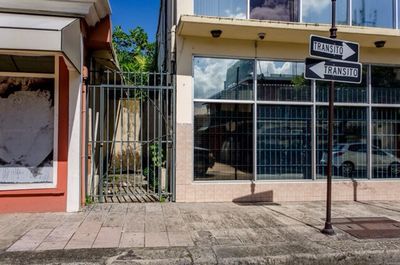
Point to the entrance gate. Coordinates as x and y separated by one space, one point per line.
130 138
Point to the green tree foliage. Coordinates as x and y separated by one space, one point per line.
134 51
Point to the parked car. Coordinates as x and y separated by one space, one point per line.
203 160
350 157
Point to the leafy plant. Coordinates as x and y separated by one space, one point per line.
135 52
157 156
88 200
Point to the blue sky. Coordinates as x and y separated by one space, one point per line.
132 13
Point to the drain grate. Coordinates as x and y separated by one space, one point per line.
369 227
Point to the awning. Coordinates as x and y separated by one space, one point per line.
42 33
284 32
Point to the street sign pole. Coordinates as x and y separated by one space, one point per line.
328 229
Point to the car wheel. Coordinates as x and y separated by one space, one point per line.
200 168
347 169
394 170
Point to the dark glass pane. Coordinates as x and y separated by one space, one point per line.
27 130
221 8
351 93
27 64
223 141
385 84
373 13
283 142
385 143
282 81
350 141
281 10
223 78
321 11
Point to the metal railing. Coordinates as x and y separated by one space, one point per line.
130 138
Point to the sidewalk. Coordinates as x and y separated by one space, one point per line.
196 233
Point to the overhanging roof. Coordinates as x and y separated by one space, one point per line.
42 33
91 10
246 29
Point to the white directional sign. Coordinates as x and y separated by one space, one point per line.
327 70
334 49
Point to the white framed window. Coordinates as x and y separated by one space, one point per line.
29 121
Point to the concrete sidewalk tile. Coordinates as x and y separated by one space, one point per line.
59 237
153 208
84 236
134 223
180 239
108 237
155 224
30 240
132 239
115 219
159 239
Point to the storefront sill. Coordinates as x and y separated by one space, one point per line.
25 193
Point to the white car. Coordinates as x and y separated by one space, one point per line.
350 157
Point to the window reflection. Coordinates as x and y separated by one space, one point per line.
321 11
385 84
354 93
283 142
223 145
221 8
223 78
372 13
280 10
350 142
282 81
386 143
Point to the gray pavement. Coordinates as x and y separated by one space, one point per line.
195 233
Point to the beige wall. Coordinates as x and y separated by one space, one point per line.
189 191
184 7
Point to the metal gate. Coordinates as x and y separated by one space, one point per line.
130 138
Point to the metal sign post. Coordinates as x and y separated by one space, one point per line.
328 229
340 64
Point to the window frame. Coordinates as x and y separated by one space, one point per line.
55 76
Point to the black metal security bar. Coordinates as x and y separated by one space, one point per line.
130 138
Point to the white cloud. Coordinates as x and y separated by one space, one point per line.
287 68
315 7
210 76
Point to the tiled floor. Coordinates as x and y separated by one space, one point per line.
192 224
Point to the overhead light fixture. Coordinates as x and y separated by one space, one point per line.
380 43
216 33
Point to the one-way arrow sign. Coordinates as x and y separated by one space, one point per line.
334 49
333 71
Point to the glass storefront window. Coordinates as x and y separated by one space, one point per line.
321 11
223 131
372 13
221 8
385 143
223 141
223 78
280 10
385 84
27 130
348 93
282 81
350 142
283 142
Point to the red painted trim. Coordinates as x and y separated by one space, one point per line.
47 200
